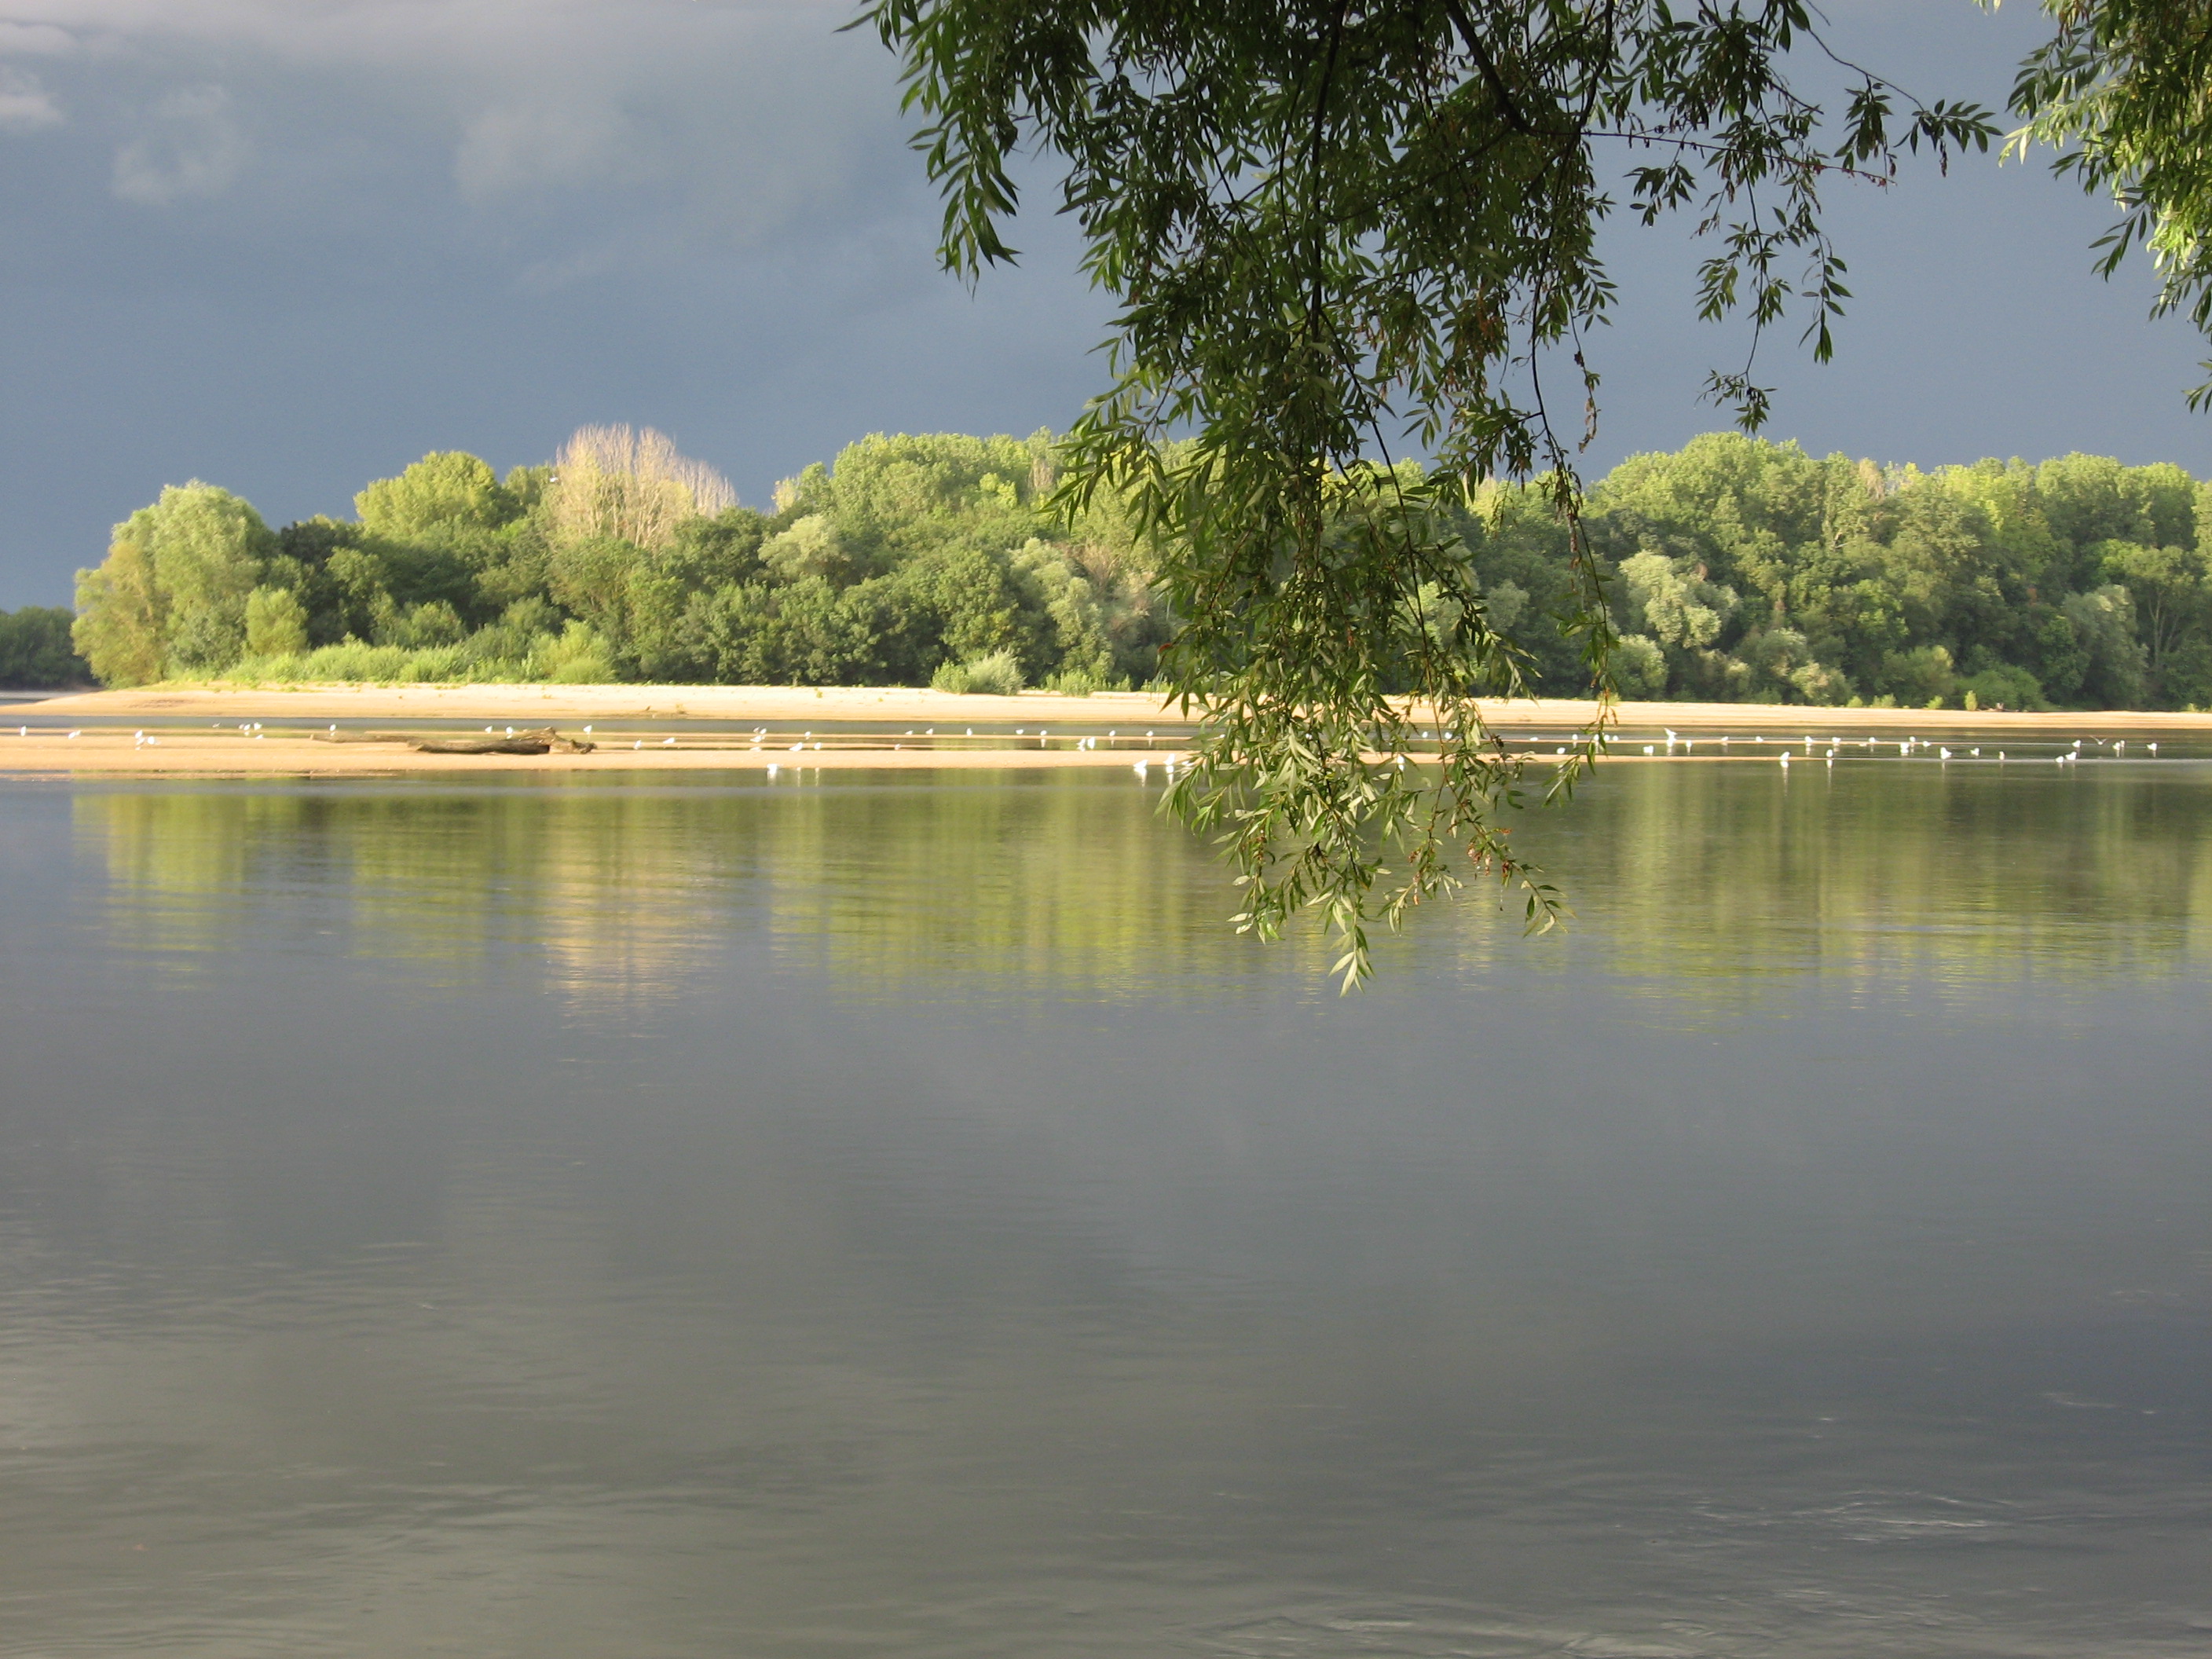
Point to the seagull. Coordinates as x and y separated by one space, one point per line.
1649 749
1943 754
2153 749
1785 760
772 768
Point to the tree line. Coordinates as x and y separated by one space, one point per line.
1737 570
35 653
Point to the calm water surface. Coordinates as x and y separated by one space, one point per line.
894 1216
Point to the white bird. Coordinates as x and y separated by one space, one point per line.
2000 754
73 735
1943 754
1973 751
1785 760
668 743
1649 749
2153 749
1724 743
1138 768
772 768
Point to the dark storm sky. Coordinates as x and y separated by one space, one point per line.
288 245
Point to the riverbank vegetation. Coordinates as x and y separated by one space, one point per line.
1737 570
35 653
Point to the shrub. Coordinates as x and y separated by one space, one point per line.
1082 682
998 674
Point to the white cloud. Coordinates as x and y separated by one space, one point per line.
512 146
25 104
34 39
195 149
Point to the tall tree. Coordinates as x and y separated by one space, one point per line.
1340 232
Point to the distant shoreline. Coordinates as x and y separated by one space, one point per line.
194 728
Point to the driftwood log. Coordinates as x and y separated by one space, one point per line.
544 741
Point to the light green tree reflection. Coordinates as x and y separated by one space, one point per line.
1714 882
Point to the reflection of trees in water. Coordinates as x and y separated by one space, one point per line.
1888 873
623 893
1709 879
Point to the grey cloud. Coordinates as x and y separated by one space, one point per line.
195 149
25 104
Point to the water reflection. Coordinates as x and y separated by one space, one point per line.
1703 880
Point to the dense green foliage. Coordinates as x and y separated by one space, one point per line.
1742 570
911 553
1733 570
36 651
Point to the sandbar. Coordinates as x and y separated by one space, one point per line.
179 730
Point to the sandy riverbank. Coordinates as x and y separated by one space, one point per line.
673 705
192 731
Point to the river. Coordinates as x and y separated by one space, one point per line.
893 1214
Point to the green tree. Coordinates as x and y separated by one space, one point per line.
444 491
275 623
170 598
2119 90
35 649
1330 232
2171 590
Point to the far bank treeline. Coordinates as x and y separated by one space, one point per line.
1742 571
